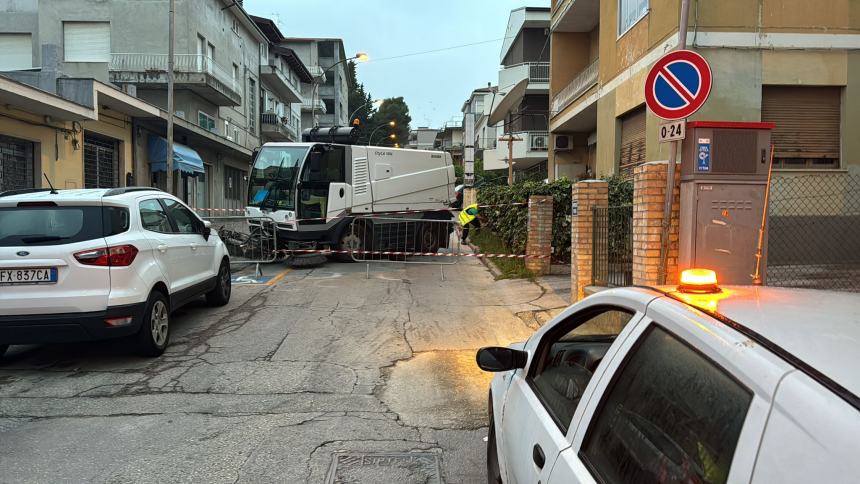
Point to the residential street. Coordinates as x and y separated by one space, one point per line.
279 385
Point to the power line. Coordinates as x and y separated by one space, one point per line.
438 50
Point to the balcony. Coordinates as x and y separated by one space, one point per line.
318 73
575 16
530 150
576 88
273 128
318 105
282 84
537 74
194 72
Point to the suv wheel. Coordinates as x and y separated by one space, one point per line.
154 333
220 294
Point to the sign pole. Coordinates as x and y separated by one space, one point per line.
673 154
168 158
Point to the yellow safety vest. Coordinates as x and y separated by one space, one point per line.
466 217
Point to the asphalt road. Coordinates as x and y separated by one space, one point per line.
324 376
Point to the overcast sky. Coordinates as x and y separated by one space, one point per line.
434 84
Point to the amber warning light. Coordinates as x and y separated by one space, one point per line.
699 281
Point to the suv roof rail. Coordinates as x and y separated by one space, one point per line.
123 190
22 191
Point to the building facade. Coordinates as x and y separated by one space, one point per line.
790 62
422 138
124 43
450 139
327 97
478 108
521 106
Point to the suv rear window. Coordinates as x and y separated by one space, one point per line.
30 226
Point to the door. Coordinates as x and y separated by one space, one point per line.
201 262
324 165
540 403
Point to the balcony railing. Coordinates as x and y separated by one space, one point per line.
272 123
535 72
320 105
188 63
577 87
538 71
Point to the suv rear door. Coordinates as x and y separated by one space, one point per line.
45 234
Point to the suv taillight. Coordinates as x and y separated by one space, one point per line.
116 256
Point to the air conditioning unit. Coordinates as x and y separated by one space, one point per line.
562 143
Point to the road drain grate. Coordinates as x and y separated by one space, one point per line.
399 467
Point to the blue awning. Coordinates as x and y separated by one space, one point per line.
185 159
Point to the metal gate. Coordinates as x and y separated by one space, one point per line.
249 240
100 162
16 164
612 256
415 241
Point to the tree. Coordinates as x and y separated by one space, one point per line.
359 101
392 109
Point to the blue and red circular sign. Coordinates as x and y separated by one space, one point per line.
678 84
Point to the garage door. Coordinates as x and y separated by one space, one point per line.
16 164
807 125
632 151
100 162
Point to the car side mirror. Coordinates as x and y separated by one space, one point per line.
207 229
496 358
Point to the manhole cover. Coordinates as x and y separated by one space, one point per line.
400 467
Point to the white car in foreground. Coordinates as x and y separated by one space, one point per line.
695 385
81 265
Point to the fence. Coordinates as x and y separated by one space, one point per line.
814 232
249 240
419 241
612 256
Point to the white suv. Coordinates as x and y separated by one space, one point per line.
82 265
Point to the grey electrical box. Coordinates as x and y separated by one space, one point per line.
724 169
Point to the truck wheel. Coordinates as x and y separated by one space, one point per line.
351 240
428 238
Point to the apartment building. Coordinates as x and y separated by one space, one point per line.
791 62
450 139
521 106
422 138
478 108
282 74
124 43
327 97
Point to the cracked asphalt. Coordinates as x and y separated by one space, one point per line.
275 385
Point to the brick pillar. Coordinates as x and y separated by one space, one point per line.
540 234
649 189
470 196
587 195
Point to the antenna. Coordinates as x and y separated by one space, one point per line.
53 190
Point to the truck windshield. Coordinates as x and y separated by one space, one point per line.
273 179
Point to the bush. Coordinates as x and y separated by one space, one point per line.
510 223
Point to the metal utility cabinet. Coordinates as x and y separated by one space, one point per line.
724 171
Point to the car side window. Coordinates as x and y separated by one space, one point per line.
154 218
567 357
670 414
185 221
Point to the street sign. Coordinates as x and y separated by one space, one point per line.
703 163
672 131
678 85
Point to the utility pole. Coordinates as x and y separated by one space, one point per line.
673 154
170 101
510 138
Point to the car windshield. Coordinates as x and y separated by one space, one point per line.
273 178
27 226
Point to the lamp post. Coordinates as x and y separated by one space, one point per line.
361 56
380 101
390 124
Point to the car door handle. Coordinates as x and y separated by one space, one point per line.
162 248
538 456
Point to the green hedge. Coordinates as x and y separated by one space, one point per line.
510 223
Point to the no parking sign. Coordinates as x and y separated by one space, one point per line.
678 84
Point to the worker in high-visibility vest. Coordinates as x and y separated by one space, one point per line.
469 218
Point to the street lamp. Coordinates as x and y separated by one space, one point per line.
360 56
390 124
378 103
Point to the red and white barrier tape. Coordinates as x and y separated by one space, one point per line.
434 254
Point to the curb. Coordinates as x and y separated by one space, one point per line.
489 265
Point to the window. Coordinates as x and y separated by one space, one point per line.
185 221
227 133
264 53
86 41
479 105
16 164
329 80
807 118
35 226
325 49
568 356
153 217
629 12
101 166
233 183
205 121
669 415
329 106
16 52
235 75
252 106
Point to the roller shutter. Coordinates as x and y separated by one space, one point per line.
632 151
16 52
86 41
807 125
